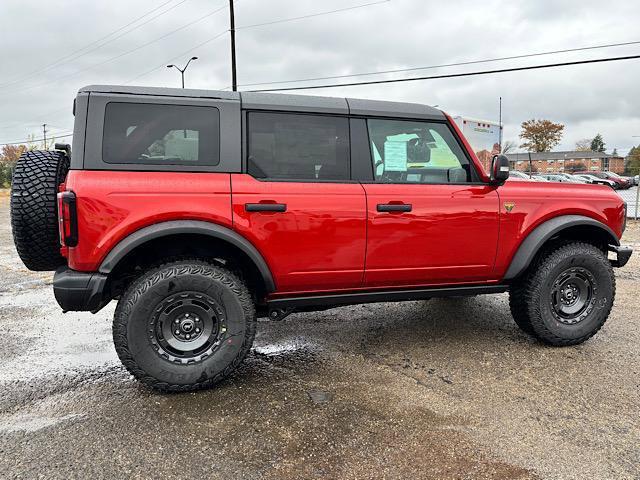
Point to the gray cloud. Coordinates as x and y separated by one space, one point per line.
398 34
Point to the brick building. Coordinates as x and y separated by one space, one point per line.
549 162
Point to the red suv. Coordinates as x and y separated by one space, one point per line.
199 211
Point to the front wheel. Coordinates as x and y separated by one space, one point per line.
184 326
566 297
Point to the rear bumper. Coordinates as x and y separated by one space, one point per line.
79 291
623 253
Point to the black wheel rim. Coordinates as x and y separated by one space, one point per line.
187 327
573 295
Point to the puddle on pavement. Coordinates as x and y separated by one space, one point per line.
43 341
280 348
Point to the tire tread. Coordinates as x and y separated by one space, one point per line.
151 278
524 294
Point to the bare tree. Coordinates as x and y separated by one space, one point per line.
583 145
509 146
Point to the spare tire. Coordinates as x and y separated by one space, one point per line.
34 210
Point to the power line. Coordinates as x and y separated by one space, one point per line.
30 140
139 47
215 37
73 55
452 75
311 15
471 62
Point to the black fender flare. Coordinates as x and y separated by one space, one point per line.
176 227
530 246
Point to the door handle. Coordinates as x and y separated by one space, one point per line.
394 207
265 207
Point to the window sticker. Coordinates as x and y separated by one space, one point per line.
395 156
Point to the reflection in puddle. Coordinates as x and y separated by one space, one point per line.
280 348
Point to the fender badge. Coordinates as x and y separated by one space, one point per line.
508 206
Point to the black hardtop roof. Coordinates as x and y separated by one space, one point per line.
285 102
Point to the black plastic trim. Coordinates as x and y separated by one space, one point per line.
190 227
623 253
383 296
79 291
394 207
534 241
361 165
265 207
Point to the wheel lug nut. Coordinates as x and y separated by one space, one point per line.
188 336
197 330
177 320
177 332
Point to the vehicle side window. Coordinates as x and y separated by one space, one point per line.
284 146
416 152
155 134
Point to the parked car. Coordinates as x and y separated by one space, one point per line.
571 178
596 180
539 178
620 183
199 211
515 175
557 177
626 182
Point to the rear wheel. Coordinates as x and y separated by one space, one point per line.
34 211
566 297
183 326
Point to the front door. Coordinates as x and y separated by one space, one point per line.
430 220
297 203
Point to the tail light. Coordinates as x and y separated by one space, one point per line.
67 219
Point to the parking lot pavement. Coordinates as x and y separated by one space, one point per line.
438 389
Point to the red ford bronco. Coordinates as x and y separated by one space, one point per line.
202 210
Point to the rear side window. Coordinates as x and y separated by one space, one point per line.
298 147
154 134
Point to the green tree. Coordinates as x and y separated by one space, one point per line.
9 155
597 144
540 135
633 161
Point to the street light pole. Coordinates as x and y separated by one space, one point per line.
182 70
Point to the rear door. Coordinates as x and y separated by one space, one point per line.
297 203
431 221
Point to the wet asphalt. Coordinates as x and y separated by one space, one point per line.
447 388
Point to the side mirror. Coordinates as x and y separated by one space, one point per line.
499 169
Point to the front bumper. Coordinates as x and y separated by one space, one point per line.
623 253
80 291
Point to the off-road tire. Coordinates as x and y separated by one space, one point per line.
34 211
530 297
137 313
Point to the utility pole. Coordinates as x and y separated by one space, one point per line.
234 79
500 123
44 134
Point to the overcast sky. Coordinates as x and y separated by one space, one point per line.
588 99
